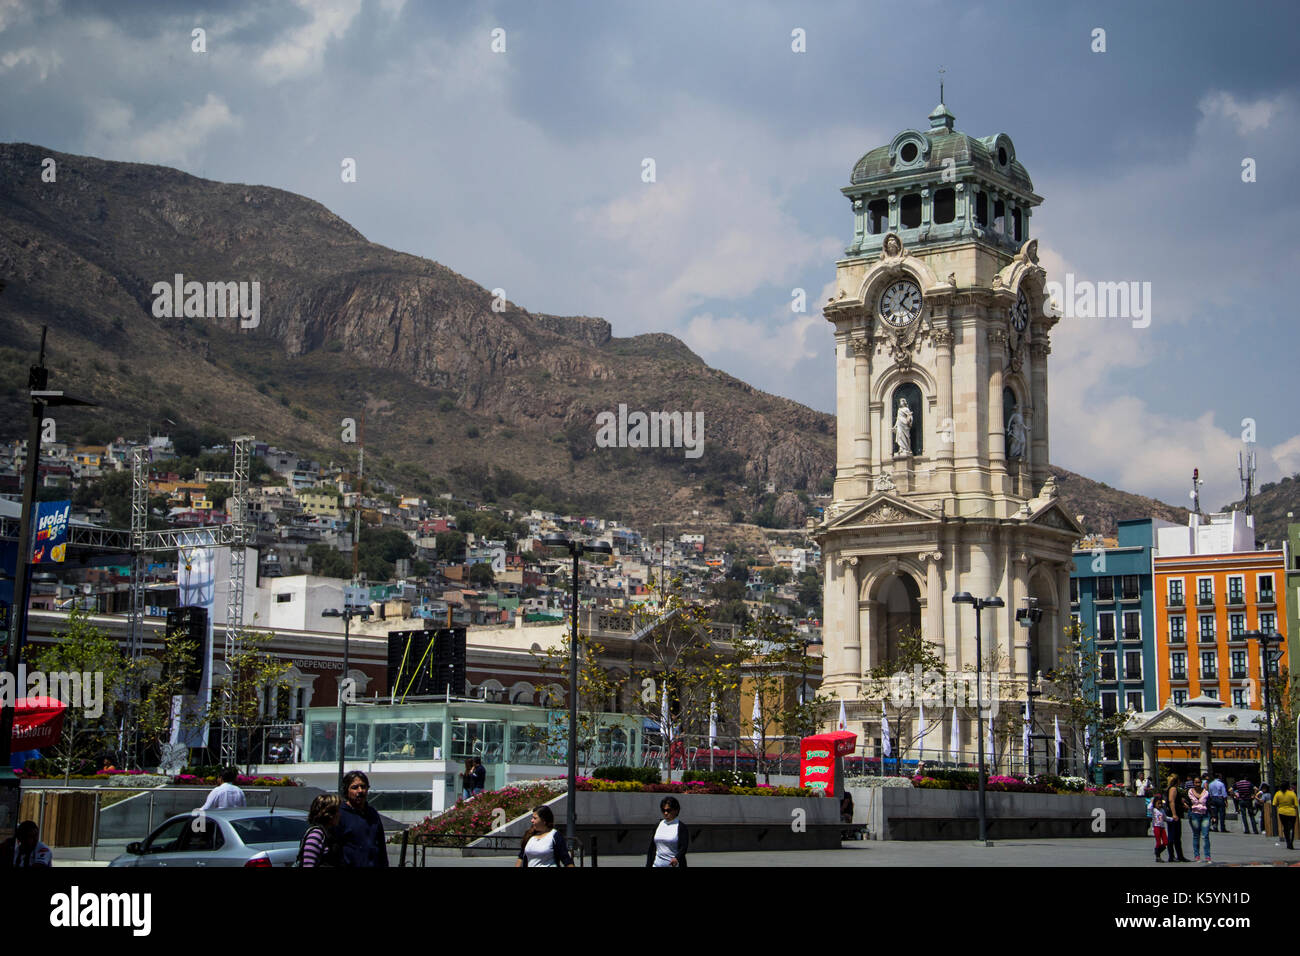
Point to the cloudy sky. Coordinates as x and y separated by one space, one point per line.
522 169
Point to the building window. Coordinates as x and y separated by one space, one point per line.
1267 622
1210 692
1236 626
1105 589
1074 590
1180 698
1205 591
1110 750
283 598
1132 665
877 216
1205 627
999 216
1266 589
1177 630
1240 697
1209 665
982 209
1238 665
1076 623
1107 661
1109 703
909 211
1130 589
1017 219
1236 590
1178 666
1133 700
1106 626
1132 625
1176 593
945 206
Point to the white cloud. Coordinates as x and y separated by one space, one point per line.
173 141
1248 116
303 49
44 63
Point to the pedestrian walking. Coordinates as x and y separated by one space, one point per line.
359 832
846 815
225 794
478 777
24 849
1218 804
1264 800
467 779
1199 818
1158 825
1244 792
543 845
1284 805
318 846
1175 801
671 838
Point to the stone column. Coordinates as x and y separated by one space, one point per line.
946 433
1205 755
1039 349
833 624
861 345
867 620
851 668
933 596
844 414
893 213
859 221
1062 612
980 585
964 198
1125 761
1019 594
1149 761
926 211
997 338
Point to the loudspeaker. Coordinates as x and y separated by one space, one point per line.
192 623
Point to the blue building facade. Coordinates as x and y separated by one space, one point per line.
1112 596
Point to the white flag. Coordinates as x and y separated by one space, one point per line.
989 724
884 732
756 721
663 716
954 744
1087 745
1026 735
920 727
713 721
1056 724
844 721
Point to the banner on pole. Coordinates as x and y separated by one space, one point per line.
51 544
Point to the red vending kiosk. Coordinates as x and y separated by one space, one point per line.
821 764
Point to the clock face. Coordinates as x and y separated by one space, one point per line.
901 303
1020 313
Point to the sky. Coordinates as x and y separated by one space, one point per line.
508 141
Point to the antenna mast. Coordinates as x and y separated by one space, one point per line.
1246 472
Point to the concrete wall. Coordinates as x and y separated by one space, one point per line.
911 814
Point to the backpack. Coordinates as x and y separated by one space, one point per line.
325 861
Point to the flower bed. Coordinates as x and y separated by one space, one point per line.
969 780
691 786
143 779
478 815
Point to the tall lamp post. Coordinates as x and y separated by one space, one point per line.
42 397
1266 639
980 604
813 641
576 549
347 614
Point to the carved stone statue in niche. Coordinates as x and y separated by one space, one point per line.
903 429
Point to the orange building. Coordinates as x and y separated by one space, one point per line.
1212 586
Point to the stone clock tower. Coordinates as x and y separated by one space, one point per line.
941 365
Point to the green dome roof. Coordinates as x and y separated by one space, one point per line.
967 153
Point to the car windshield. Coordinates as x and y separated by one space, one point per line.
259 831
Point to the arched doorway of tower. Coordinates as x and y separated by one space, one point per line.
898 600
1044 636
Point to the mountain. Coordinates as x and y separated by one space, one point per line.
459 391
1271 505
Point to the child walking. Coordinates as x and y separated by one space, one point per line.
1158 825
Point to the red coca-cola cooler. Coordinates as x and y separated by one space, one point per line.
821 761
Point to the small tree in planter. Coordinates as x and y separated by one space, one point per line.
1075 680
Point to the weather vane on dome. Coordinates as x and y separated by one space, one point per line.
942 71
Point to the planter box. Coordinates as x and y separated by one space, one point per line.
922 814
624 823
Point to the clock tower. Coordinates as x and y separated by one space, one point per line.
942 337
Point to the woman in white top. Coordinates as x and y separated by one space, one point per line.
671 838
543 845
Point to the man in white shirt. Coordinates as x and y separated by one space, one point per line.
24 848
225 794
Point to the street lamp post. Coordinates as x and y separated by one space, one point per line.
347 614
1266 638
576 549
803 682
979 604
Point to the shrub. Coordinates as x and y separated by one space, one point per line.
476 815
728 778
637 774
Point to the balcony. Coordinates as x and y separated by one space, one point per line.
1135 636
1177 600
1178 676
1180 638
1236 599
1130 596
1104 598
1209 675
1239 673
1205 600
1237 637
1205 637
1266 598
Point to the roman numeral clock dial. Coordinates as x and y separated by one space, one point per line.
900 304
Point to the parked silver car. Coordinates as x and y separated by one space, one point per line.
246 836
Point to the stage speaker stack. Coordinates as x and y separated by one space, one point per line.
192 623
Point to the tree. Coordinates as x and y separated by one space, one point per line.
598 691
450 546
217 492
1075 693
739 571
481 575
327 561
913 653
161 679
776 576
86 651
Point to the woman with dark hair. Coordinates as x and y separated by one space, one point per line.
1199 817
1285 806
1176 806
671 838
359 832
543 845
318 847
